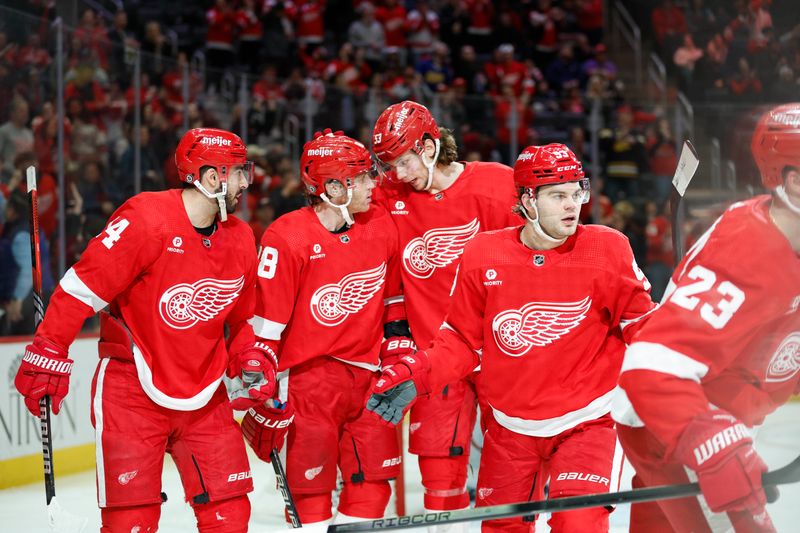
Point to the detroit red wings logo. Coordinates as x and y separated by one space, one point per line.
185 304
334 302
537 324
786 361
437 248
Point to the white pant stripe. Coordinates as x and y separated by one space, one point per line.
97 406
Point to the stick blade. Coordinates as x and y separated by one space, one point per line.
30 174
687 165
62 521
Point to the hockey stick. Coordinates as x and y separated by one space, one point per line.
59 519
687 166
283 487
787 474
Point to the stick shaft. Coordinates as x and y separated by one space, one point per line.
283 487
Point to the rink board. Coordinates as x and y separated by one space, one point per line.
20 437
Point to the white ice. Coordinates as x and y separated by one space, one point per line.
23 508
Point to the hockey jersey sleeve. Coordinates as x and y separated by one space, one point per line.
110 263
240 318
632 301
456 349
278 280
393 299
686 341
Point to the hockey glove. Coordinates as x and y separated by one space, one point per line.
398 387
393 348
258 366
718 447
44 371
265 426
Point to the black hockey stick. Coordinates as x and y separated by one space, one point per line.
59 519
687 165
283 487
787 474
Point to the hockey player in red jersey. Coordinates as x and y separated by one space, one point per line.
438 205
174 269
328 280
722 350
545 309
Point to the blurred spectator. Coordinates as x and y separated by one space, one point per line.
435 69
480 25
600 64
625 157
367 33
277 47
157 51
685 58
505 70
658 267
669 25
251 34
309 22
268 106
468 68
33 55
152 179
93 190
423 28
662 160
8 49
45 137
700 20
508 29
544 31
264 214
221 32
88 142
745 82
122 47
15 136
590 20
563 69
392 15
513 116
91 36
289 196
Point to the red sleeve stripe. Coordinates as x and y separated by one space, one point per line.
267 329
75 287
659 358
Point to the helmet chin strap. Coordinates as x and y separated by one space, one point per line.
218 196
537 228
780 192
348 218
432 165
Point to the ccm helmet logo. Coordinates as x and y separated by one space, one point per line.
566 168
215 141
320 152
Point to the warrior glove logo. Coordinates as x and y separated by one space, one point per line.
185 304
437 248
786 362
332 303
536 324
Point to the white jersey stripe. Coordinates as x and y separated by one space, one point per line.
97 406
394 300
553 426
659 358
75 287
267 329
179 404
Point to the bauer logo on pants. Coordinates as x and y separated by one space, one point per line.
332 303
537 324
185 304
437 248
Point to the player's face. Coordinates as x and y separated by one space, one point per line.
559 207
410 169
238 181
362 193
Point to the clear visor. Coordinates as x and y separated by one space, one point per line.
583 195
246 171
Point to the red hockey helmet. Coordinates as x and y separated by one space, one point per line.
776 143
548 165
400 128
211 147
333 156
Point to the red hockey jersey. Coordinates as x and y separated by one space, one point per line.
433 230
173 289
548 326
322 293
727 331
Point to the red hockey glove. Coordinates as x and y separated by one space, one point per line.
258 365
720 450
44 371
394 348
265 427
398 387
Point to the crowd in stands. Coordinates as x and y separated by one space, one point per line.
515 72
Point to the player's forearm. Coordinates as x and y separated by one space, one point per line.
64 318
451 359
